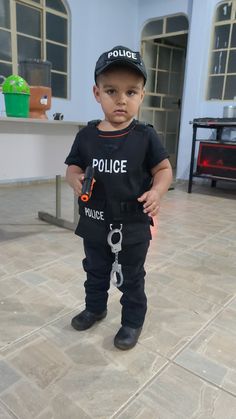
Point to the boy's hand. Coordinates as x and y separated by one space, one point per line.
76 183
75 177
162 178
151 201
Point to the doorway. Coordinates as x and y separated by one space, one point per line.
164 45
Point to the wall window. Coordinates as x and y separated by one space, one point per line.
222 69
35 29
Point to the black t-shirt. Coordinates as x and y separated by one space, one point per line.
122 161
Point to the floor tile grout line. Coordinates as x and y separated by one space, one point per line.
157 374
140 389
204 327
8 409
193 293
185 344
45 325
6 242
71 311
192 247
180 252
44 265
219 387
196 335
169 258
171 361
200 297
200 243
184 251
113 293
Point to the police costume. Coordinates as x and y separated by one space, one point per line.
122 162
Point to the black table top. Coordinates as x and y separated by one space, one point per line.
214 122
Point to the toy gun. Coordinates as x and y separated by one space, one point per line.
87 185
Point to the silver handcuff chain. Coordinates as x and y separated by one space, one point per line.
116 275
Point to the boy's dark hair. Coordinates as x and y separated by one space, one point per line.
120 56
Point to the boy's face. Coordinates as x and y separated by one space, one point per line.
120 93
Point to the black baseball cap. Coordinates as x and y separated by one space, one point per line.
120 55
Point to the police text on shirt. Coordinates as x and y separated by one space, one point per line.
110 165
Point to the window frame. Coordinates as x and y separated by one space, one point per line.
41 6
227 50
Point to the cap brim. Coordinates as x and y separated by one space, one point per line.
122 63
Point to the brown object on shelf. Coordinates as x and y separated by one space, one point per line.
40 101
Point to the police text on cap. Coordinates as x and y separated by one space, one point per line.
122 53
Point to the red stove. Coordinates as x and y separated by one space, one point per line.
217 160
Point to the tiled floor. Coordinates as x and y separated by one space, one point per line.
184 366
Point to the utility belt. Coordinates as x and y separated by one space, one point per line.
113 211
111 216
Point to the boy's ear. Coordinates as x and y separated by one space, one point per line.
143 94
96 93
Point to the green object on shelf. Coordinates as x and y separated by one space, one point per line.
15 84
17 96
17 105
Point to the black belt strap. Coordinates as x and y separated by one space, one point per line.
130 211
130 207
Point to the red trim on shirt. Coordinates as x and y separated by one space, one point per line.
114 136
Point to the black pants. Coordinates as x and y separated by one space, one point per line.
97 265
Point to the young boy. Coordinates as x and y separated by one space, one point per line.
132 173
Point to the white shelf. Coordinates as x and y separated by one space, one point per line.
34 148
10 120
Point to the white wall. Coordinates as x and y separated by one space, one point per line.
34 148
194 103
200 14
153 9
97 26
195 79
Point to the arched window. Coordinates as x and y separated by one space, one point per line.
222 69
35 29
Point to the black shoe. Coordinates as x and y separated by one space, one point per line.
127 337
86 319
